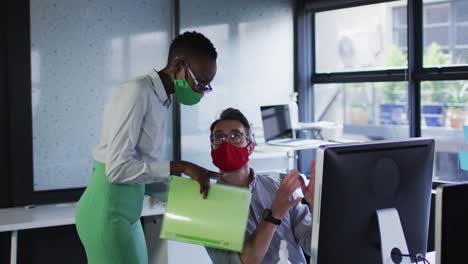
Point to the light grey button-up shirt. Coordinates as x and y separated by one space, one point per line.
133 132
295 228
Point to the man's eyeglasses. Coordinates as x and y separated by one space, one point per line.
199 87
235 137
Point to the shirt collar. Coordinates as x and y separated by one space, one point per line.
159 89
252 184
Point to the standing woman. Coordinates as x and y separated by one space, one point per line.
131 144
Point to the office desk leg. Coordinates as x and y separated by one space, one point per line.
157 248
14 247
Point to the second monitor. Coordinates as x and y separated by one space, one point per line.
278 130
276 122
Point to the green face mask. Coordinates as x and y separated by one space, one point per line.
184 93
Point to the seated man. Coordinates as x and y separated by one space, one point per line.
275 215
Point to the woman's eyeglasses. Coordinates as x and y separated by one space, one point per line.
199 86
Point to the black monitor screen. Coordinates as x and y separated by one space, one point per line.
454 213
276 122
356 180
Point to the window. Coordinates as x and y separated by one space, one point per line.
444 113
400 28
354 39
445 31
371 98
366 111
461 29
444 28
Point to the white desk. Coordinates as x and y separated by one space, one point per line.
267 151
21 218
431 257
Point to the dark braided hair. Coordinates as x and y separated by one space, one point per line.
192 44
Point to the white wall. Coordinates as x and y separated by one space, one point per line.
255 44
79 52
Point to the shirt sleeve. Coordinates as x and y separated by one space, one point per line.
125 115
219 256
301 223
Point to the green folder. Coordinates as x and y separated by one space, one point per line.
217 222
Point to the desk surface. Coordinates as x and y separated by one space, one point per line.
19 218
268 148
431 257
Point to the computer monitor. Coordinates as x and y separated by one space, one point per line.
451 227
276 122
371 198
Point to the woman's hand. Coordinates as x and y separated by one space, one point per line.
198 173
201 175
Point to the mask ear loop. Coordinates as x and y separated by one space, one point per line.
181 59
211 142
252 142
251 147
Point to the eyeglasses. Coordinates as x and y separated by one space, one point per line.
235 137
199 87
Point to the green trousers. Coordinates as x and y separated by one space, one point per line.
108 221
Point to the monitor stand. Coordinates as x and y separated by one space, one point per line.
391 235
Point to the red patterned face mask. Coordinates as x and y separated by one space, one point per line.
229 157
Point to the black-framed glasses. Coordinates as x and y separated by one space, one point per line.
199 87
235 137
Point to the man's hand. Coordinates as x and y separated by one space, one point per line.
309 190
283 199
198 173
